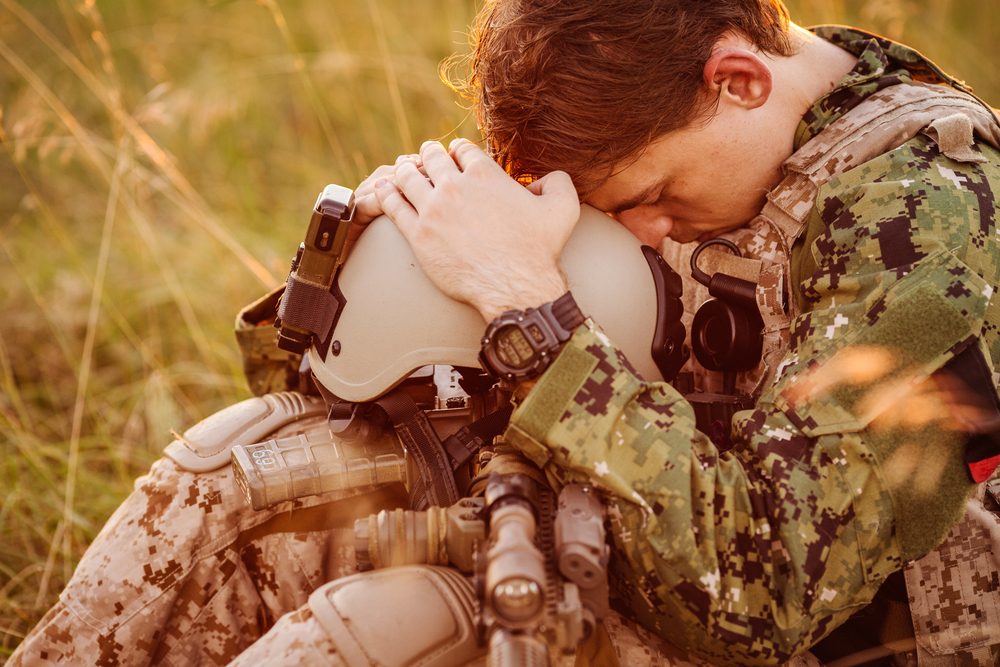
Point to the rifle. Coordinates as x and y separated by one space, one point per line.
538 561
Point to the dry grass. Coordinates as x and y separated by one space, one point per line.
159 160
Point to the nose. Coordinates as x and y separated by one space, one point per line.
649 226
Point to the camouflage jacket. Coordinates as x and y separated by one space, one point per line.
846 467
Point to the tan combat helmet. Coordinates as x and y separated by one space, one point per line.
393 320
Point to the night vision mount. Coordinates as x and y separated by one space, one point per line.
312 303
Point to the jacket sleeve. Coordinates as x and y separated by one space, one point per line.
752 555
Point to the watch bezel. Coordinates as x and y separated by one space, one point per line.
553 335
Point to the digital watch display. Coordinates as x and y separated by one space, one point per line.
520 344
513 347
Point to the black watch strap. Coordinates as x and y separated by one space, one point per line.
565 313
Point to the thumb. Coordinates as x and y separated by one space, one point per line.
553 183
558 188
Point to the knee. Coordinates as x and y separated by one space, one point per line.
413 614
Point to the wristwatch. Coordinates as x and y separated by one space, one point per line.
520 344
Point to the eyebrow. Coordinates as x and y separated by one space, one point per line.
638 199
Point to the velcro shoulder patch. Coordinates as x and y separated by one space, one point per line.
923 322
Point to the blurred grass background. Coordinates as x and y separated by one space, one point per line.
159 162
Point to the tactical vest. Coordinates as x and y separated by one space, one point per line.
953 597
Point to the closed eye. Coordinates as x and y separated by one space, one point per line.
647 198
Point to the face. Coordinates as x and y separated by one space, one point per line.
697 182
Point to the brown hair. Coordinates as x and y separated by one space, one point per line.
583 85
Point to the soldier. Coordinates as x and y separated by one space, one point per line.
857 182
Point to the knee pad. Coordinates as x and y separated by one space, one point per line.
206 445
409 615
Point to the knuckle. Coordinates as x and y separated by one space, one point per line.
367 186
448 193
474 166
560 178
445 185
407 171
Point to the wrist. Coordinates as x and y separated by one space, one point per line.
544 289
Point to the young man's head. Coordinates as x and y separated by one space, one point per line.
656 108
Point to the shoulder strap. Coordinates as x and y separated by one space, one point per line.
884 121
434 483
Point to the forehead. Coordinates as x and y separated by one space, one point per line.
635 181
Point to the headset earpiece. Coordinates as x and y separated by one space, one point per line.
727 331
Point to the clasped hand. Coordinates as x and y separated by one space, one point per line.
479 235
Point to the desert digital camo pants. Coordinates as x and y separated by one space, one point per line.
186 573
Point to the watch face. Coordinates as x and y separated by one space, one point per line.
513 348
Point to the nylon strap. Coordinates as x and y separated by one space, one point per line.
463 444
308 306
435 484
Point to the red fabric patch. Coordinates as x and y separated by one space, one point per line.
981 470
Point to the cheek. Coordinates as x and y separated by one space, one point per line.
725 198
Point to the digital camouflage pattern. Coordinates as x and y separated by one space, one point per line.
631 645
186 573
955 594
752 555
296 639
267 367
877 124
881 63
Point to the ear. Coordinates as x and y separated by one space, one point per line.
739 75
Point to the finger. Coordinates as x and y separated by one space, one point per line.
366 207
409 157
414 159
413 184
438 165
562 200
367 186
396 208
466 154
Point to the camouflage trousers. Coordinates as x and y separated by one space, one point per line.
954 592
185 573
